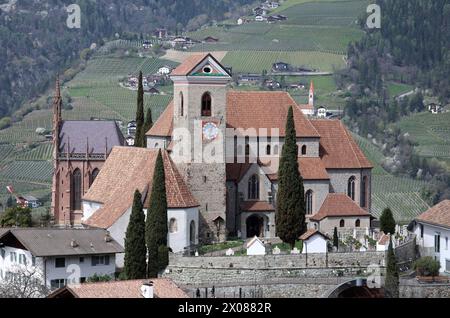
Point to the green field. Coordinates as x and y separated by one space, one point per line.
396 89
401 195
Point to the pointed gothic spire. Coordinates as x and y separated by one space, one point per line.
57 102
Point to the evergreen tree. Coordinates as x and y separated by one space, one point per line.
290 217
147 125
10 202
16 216
135 250
392 277
156 226
139 137
387 222
335 238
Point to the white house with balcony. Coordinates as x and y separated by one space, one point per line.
432 229
56 257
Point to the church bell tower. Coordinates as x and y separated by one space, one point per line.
198 138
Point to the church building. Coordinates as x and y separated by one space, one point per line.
80 148
221 150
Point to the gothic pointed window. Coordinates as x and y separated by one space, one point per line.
181 104
206 104
253 187
94 175
309 202
351 188
75 190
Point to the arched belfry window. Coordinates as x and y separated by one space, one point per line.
357 223
206 104
181 104
253 187
303 150
309 202
75 190
342 223
94 175
268 148
351 188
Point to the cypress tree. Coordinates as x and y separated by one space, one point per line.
135 250
290 217
392 277
156 226
147 125
387 222
335 238
139 137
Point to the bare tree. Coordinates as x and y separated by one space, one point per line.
22 282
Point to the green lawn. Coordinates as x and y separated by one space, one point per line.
396 89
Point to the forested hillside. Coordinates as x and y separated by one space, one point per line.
35 42
411 47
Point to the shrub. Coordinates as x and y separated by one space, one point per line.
427 266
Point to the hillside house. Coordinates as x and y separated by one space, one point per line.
165 70
58 256
434 108
281 67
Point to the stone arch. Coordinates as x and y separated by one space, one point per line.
255 225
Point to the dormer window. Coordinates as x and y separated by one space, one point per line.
206 104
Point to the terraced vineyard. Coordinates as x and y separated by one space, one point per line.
401 195
41 152
34 171
431 132
257 61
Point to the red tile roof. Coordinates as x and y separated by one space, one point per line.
338 150
188 64
310 169
164 125
311 232
262 109
256 206
128 169
338 205
437 215
163 288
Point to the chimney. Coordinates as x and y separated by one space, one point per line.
147 290
74 244
108 237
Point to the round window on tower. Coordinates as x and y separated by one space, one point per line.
207 69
